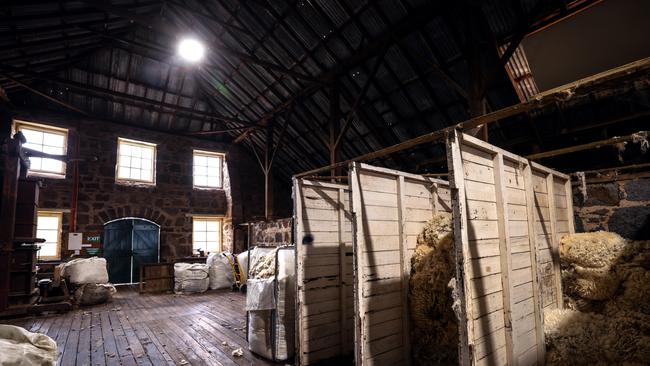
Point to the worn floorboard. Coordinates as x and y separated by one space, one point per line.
151 329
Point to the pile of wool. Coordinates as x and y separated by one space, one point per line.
264 267
606 278
592 250
588 263
574 337
434 327
602 272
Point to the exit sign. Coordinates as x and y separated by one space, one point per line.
92 238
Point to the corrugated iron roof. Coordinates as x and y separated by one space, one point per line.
265 58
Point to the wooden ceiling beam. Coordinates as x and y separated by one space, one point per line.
175 32
633 71
185 8
118 95
416 20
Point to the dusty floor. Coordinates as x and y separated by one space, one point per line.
151 329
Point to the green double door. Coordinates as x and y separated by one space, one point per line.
129 243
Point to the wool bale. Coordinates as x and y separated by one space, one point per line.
594 283
21 347
220 270
434 328
594 250
264 266
191 277
93 294
81 271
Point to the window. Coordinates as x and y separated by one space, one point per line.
206 234
47 139
207 169
136 161
48 227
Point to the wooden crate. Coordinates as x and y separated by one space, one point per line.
390 209
325 308
156 277
524 209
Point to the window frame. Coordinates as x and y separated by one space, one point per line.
218 219
141 144
209 154
45 128
59 231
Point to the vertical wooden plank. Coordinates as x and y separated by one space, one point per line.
298 234
536 267
569 206
358 260
342 297
555 252
405 267
434 197
504 253
461 248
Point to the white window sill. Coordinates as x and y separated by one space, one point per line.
198 188
135 183
32 174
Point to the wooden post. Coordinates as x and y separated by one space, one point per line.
555 251
461 249
535 264
10 174
268 176
335 128
505 252
10 155
404 265
342 272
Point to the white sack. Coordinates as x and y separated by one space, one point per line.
279 321
285 305
260 294
190 278
220 270
259 333
20 347
92 294
86 270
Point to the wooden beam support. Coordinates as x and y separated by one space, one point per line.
48 97
231 27
118 95
416 20
174 32
334 126
278 145
217 132
631 71
268 176
361 95
589 146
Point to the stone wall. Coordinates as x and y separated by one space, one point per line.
170 203
622 207
273 233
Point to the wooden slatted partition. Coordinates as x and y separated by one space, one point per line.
390 209
325 308
508 217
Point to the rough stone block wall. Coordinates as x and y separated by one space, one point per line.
622 207
273 233
169 203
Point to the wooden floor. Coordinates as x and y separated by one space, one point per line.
158 329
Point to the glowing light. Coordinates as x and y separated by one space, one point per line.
191 50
